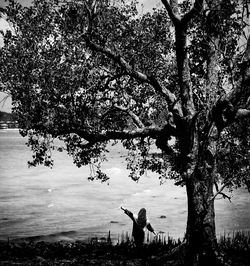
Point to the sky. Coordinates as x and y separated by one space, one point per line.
5 104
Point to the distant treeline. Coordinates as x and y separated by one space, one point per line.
7 116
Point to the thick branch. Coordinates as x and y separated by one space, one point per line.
224 113
175 18
181 52
168 95
118 59
141 77
186 91
91 11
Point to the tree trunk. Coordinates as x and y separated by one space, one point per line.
201 242
200 169
200 236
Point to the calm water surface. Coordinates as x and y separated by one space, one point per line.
61 204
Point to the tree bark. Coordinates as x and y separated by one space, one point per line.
201 242
200 236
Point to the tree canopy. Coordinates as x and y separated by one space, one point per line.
94 72
64 88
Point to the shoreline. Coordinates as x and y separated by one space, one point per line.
72 236
101 251
68 237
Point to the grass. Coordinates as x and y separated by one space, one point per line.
101 251
236 247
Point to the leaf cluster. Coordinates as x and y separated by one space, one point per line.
233 158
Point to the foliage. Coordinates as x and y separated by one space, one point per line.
100 250
59 86
63 89
226 23
234 155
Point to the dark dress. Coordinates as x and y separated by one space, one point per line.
138 232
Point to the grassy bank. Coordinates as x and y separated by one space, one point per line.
236 250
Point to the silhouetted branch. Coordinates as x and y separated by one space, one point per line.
129 70
175 18
135 118
219 192
196 9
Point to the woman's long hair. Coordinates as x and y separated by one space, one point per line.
142 218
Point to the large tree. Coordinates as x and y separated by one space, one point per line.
93 72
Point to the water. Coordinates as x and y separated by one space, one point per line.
61 204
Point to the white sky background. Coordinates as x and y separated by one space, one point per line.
6 105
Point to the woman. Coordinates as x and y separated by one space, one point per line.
140 223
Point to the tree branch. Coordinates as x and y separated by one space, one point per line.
135 118
219 192
91 11
185 84
118 59
175 18
129 70
196 9
139 76
167 94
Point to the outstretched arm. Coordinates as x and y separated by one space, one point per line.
129 213
150 228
